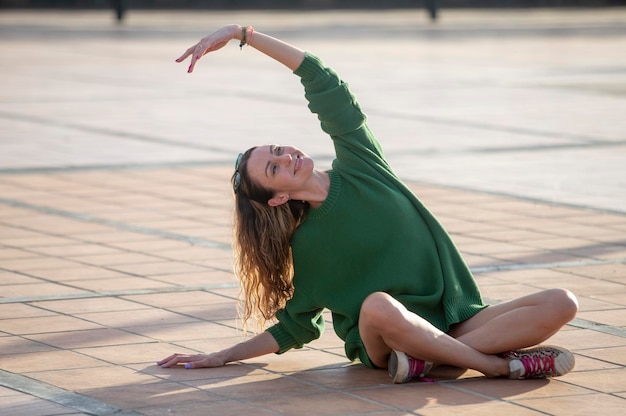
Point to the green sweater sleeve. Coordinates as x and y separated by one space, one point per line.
329 97
299 323
341 117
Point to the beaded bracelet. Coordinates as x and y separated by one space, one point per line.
245 36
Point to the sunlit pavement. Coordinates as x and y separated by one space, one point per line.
115 202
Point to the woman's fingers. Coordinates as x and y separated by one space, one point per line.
186 54
175 359
191 361
196 52
207 44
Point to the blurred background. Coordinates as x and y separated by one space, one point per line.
501 97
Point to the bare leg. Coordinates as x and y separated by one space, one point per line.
385 324
518 323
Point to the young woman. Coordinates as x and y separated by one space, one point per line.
357 241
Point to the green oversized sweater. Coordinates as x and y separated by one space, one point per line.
371 234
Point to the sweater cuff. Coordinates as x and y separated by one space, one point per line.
283 338
310 67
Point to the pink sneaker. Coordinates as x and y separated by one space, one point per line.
539 362
403 368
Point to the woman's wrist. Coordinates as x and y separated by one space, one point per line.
247 33
237 35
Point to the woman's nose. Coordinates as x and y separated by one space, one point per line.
285 159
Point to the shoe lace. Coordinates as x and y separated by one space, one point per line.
538 364
416 367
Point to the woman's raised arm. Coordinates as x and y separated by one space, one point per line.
286 54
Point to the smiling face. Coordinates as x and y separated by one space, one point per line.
284 169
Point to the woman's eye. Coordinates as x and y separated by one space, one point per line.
274 168
279 150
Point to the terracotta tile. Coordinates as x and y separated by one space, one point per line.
325 403
251 387
482 409
138 318
221 407
613 272
153 245
560 243
612 317
475 261
545 279
36 263
507 291
417 397
85 379
586 304
76 273
8 231
120 284
12 253
184 331
5 392
585 363
89 305
26 405
502 250
616 298
20 310
167 300
10 278
223 263
168 395
117 259
613 355
346 377
88 338
503 389
157 268
583 339
145 352
304 359
76 250
210 312
10 345
48 360
208 277
197 253
44 324
37 290
38 240
112 237
581 405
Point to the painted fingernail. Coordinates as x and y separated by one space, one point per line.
188 365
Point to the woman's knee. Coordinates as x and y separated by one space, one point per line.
564 302
378 309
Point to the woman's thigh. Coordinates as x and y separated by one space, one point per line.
554 299
376 310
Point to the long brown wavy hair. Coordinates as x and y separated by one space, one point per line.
263 262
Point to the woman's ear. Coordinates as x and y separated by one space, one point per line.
278 199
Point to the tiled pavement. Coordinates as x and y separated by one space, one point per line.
115 207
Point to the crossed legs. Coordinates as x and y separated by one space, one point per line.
385 325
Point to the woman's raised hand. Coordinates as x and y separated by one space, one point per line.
192 361
213 42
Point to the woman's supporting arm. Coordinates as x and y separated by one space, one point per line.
261 344
286 54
